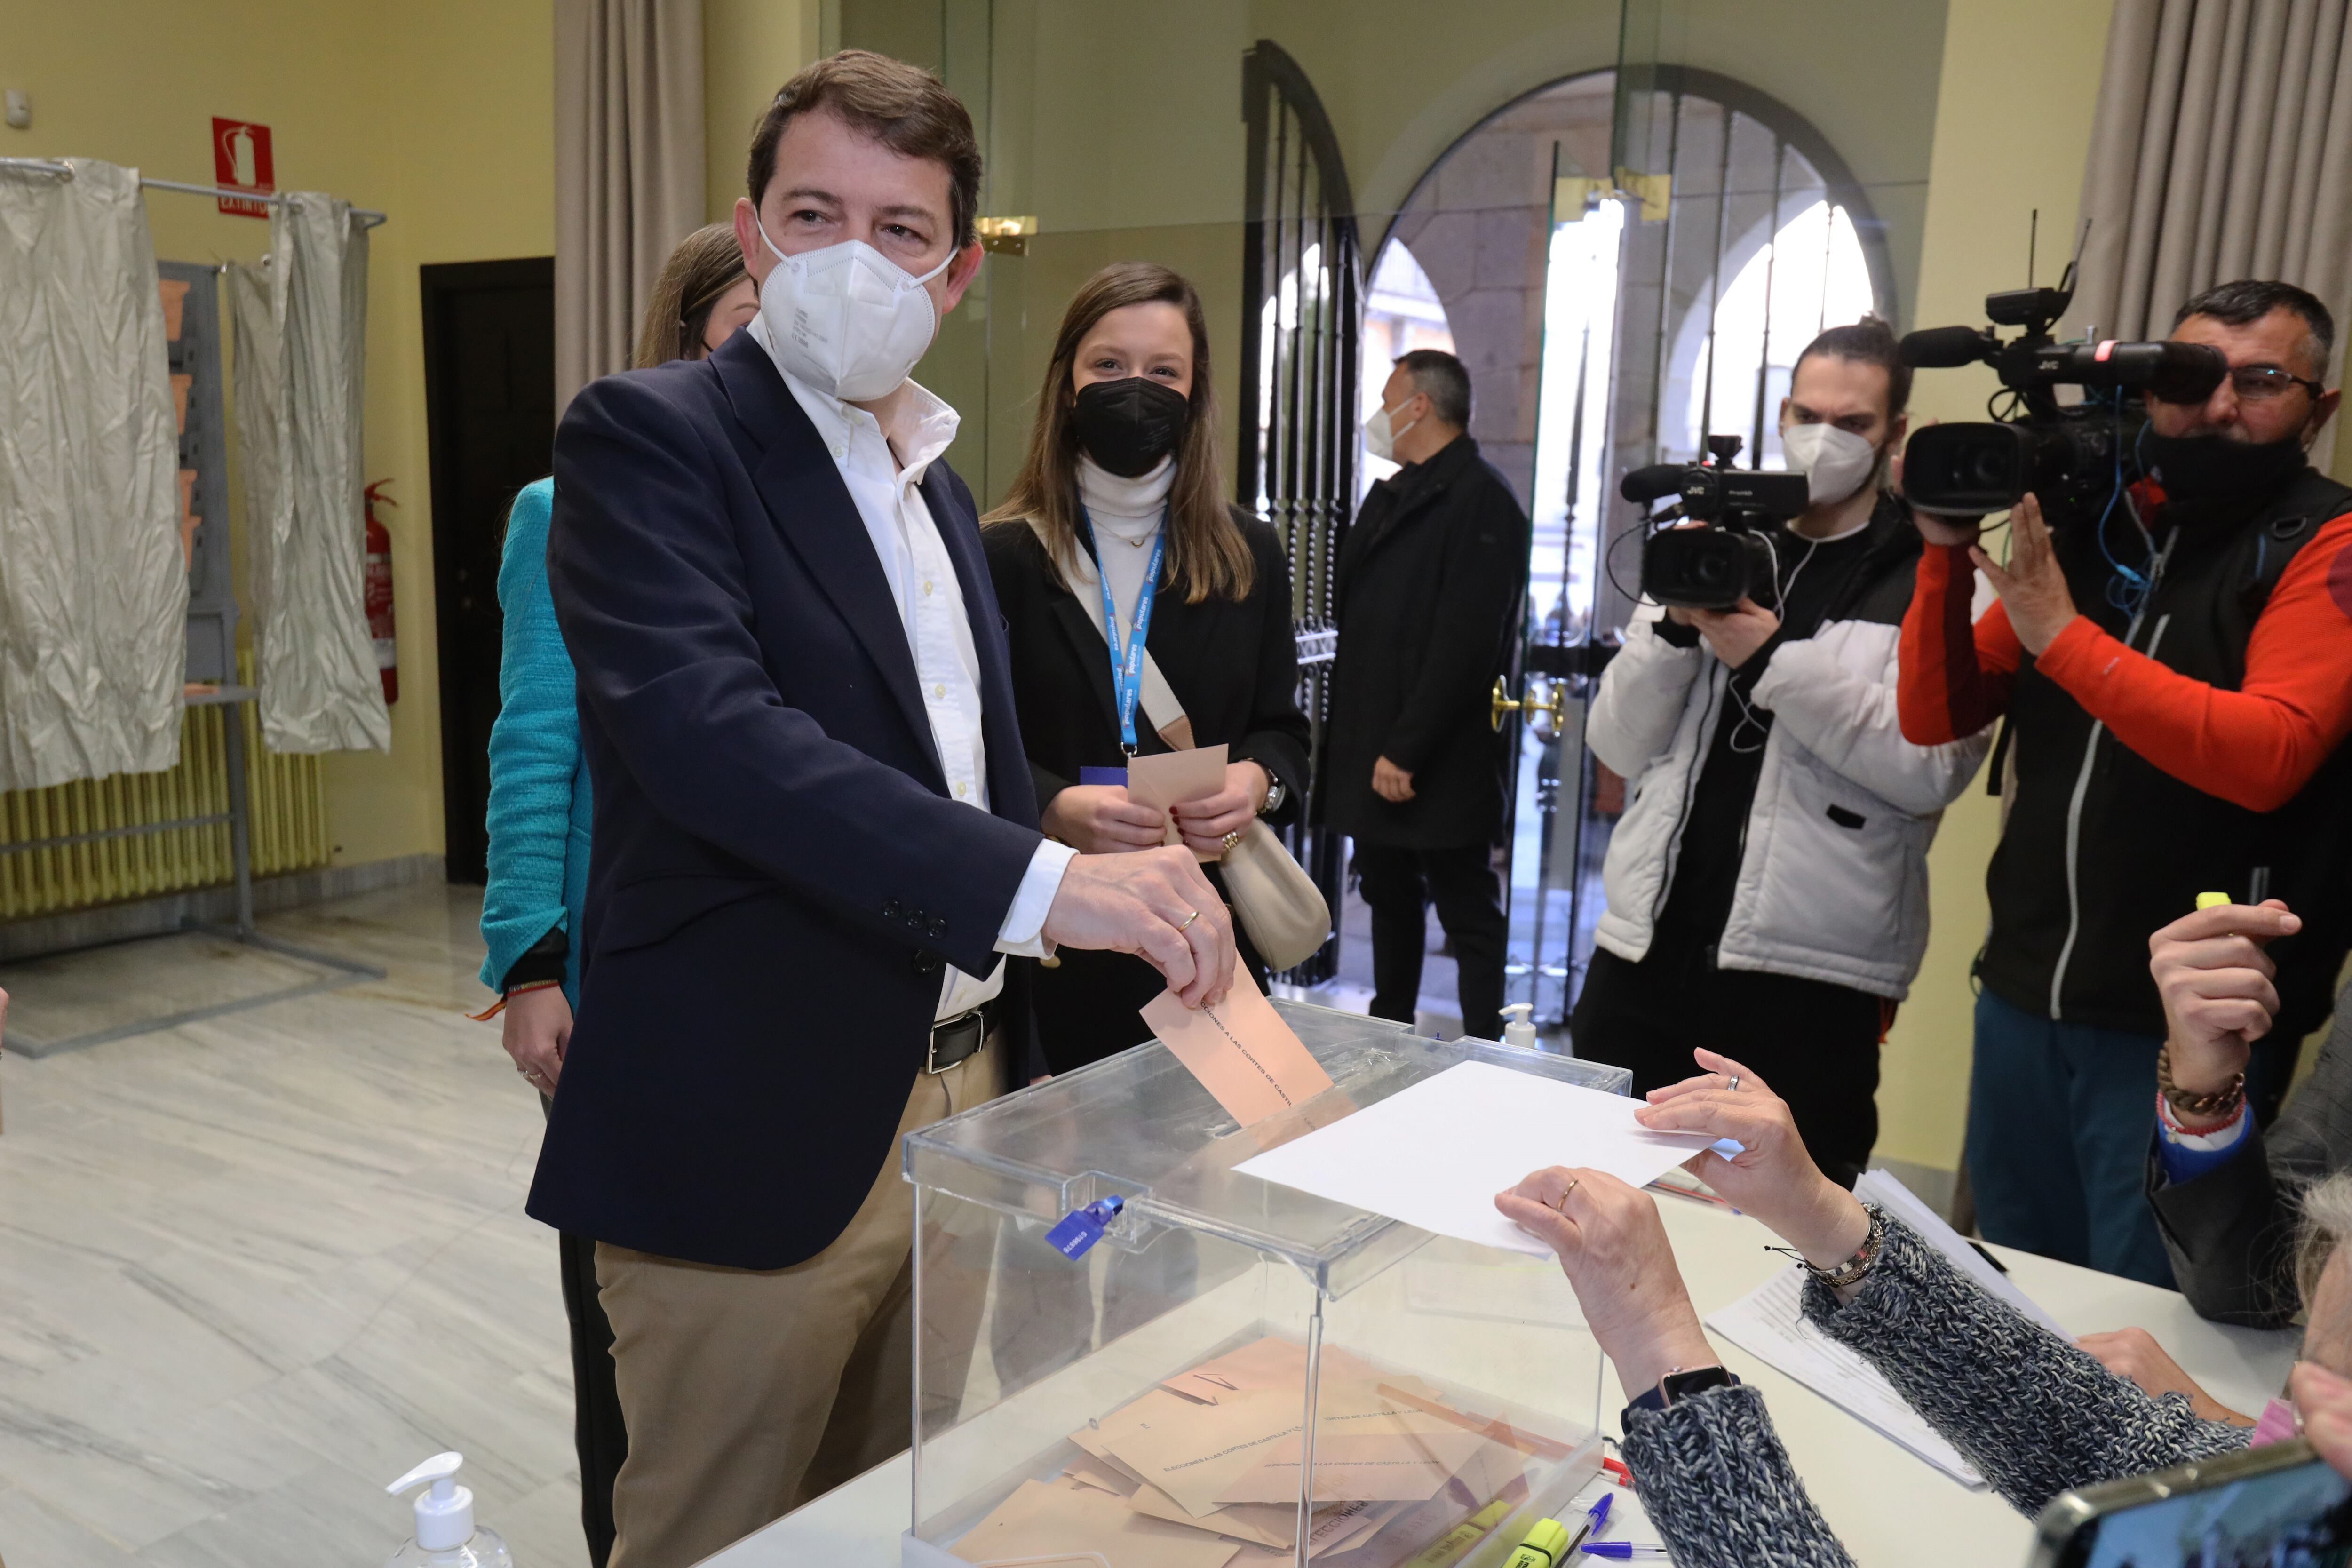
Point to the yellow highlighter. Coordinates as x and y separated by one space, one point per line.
1455 1544
1543 1548
2211 900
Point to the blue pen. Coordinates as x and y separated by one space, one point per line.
1622 1550
1595 1517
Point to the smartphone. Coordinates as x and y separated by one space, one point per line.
2275 1507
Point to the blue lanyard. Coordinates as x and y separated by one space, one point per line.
1127 671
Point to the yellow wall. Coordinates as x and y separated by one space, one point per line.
750 49
2012 126
437 113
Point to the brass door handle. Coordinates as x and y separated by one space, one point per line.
1554 706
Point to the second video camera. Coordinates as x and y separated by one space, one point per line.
1716 566
2071 459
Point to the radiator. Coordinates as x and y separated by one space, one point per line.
290 823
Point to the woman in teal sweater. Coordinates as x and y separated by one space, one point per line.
538 830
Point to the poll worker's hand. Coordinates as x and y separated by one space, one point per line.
1156 904
1391 782
2215 980
1206 822
2033 586
1772 1176
1737 633
1099 819
1612 1247
2324 1400
536 1029
2134 1354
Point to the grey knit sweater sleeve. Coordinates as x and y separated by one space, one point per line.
1717 1485
2032 1412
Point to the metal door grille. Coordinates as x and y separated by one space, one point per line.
1302 290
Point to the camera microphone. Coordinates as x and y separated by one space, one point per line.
1942 348
1642 486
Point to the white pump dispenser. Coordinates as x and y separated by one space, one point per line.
445 1535
1519 1031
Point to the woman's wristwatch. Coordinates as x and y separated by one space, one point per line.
1274 795
1676 1386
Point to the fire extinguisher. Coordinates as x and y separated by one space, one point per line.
379 593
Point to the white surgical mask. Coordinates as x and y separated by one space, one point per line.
1834 462
847 320
1379 439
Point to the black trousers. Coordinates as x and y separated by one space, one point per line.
1398 885
1815 1044
598 1436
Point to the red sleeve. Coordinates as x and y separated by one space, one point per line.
1952 679
2257 746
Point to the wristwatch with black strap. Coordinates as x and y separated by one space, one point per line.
1676 1386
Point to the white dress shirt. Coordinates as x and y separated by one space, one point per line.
883 469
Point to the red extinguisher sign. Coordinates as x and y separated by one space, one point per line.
378 585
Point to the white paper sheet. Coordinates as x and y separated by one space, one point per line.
1436 1155
1770 1324
1881 1188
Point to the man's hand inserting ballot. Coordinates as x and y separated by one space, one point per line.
1772 1176
1156 904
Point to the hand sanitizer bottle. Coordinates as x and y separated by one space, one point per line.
1519 1031
445 1535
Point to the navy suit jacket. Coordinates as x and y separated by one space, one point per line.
778 872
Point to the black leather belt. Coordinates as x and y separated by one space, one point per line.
961 1037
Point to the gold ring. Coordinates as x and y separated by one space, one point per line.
1230 839
1187 920
1562 1204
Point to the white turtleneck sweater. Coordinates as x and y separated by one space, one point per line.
1127 515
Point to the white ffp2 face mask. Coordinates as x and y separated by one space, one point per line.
846 319
1380 440
1834 462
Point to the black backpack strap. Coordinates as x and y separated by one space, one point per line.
2279 540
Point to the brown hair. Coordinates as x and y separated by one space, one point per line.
904 107
706 264
1206 553
1869 340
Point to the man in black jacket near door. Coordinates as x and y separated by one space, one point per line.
1428 594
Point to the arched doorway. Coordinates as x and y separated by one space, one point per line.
1602 332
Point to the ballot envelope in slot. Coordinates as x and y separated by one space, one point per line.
1237 1373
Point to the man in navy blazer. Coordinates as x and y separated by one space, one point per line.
815 834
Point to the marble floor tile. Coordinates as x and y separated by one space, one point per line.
253 1267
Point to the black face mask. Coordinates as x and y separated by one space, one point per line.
1128 425
2211 468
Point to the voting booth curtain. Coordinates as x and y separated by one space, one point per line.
301 327
628 170
93 588
2221 149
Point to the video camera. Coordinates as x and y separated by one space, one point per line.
1714 567
2072 459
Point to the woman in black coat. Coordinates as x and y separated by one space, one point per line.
1122 470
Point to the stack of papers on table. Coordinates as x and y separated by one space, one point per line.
1203 1471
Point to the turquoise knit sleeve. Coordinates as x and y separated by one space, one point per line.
534 750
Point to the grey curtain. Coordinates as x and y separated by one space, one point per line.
628 170
301 335
93 586
2221 149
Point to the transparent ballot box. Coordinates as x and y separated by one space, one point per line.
1238 1372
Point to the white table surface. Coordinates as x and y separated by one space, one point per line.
1888 1507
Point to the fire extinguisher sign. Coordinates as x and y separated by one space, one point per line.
241 161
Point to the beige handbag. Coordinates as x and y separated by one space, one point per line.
1278 903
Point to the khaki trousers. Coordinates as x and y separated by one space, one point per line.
746 1392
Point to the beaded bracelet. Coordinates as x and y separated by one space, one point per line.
1855 1268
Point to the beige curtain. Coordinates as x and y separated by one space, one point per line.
301 376
2222 148
628 170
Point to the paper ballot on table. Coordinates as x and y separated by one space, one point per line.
1880 1188
1436 1155
1770 1324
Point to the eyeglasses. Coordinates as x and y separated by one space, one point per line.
2262 383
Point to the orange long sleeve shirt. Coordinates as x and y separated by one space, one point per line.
2255 747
